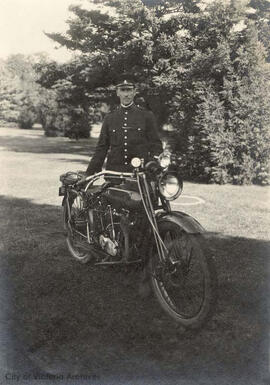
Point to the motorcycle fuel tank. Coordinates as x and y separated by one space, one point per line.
119 197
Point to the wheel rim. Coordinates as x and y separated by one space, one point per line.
76 230
181 280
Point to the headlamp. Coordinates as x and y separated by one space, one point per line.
170 186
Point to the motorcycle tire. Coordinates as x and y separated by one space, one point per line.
77 246
185 285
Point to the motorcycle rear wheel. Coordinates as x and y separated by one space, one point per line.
185 285
76 243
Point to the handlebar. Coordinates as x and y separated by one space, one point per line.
107 173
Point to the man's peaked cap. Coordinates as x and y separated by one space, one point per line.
125 80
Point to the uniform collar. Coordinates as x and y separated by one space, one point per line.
128 107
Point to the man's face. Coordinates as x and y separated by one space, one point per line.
126 94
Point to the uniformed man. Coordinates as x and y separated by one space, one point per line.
129 131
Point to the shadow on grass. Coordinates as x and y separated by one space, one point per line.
62 309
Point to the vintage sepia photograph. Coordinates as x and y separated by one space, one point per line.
134 195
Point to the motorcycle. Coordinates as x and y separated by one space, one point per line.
125 218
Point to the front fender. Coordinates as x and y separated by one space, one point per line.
183 220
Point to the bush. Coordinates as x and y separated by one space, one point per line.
4 123
26 118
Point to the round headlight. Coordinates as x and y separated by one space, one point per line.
170 186
136 162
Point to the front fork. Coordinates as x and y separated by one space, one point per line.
150 212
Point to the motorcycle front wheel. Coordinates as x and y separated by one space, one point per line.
185 282
75 226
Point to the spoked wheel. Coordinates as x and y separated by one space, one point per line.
185 283
76 228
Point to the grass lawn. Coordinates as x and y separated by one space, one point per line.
72 318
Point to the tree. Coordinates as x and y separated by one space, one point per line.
19 92
8 90
224 130
71 103
133 39
261 16
198 70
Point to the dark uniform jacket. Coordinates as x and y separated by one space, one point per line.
126 133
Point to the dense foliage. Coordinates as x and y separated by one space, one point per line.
22 100
202 70
17 91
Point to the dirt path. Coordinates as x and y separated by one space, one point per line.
62 322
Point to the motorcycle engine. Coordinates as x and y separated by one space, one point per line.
109 246
109 227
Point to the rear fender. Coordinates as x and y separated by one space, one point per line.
183 220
